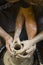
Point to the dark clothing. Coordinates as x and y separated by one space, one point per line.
38 10
2 2
8 14
8 17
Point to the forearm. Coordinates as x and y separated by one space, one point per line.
4 34
19 24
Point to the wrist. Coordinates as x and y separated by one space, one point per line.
16 35
4 34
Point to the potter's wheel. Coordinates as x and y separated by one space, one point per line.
7 60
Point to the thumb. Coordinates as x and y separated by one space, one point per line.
16 40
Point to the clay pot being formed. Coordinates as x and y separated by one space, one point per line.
13 60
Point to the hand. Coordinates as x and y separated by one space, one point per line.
9 43
29 53
31 50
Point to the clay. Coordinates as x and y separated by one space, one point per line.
8 60
13 60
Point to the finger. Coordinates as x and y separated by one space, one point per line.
31 53
28 55
9 50
18 40
11 46
31 49
22 56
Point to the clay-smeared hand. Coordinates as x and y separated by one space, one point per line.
16 40
9 43
28 53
